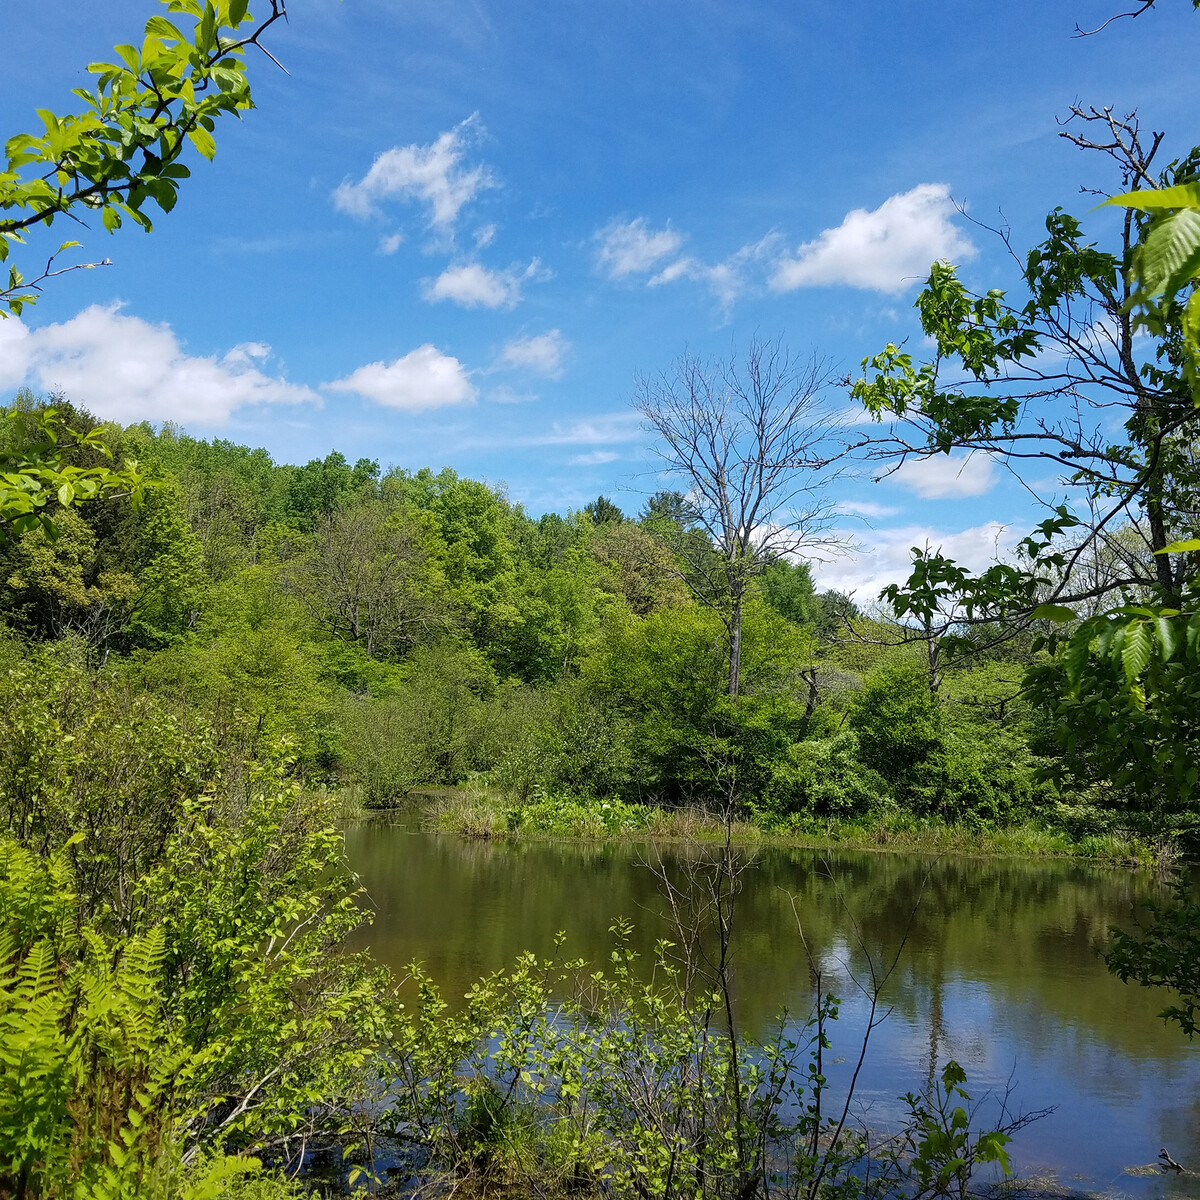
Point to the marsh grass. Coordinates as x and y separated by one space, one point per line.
480 812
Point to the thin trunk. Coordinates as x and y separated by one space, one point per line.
735 645
933 647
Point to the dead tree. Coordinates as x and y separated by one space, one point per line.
755 444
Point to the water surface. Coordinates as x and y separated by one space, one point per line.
997 968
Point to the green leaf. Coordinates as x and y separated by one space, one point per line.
1182 195
1135 654
1168 637
161 27
1076 655
203 141
237 12
1181 547
1053 612
111 219
1170 255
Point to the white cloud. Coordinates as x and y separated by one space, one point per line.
884 250
125 369
432 175
544 354
866 508
727 280
888 556
485 235
601 430
473 286
503 394
595 459
391 243
630 248
942 476
424 378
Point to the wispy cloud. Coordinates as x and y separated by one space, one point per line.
886 249
471 285
595 459
544 354
866 508
503 394
424 378
434 176
125 369
633 248
601 430
729 279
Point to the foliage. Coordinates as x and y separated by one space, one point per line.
946 1152
1165 954
40 476
254 902
563 1076
898 722
126 148
91 1071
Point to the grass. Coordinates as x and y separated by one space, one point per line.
480 812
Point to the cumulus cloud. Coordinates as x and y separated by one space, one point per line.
424 378
391 243
125 369
544 354
631 248
888 556
944 476
884 250
474 286
434 176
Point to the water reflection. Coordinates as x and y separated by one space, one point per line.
998 968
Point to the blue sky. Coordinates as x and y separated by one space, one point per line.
456 233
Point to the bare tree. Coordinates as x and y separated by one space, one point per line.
753 440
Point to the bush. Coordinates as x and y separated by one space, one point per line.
898 722
823 778
430 728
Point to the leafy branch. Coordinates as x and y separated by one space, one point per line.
125 148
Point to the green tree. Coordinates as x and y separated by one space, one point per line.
788 588
1043 382
371 575
602 511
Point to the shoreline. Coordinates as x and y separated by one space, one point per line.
483 815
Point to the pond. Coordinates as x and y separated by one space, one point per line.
997 968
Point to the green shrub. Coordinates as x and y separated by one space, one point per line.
898 723
823 778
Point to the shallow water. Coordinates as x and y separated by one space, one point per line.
997 968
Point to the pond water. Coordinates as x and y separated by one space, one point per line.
997 968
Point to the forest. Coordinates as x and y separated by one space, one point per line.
213 664
396 632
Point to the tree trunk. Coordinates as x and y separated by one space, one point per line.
735 645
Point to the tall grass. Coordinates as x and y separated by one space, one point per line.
482 812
